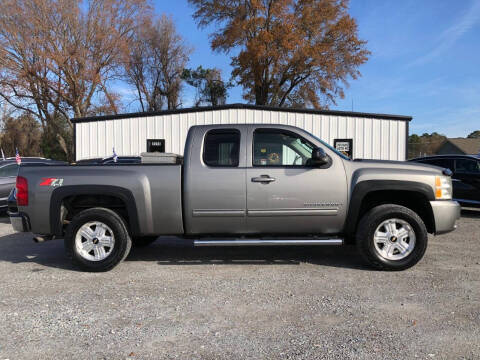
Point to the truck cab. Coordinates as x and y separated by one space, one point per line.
267 179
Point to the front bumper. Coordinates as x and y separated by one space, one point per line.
445 213
20 222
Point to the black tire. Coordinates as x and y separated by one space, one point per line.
120 251
368 225
143 241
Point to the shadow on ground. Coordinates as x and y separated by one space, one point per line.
471 213
4 219
19 248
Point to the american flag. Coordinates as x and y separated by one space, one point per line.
115 156
18 159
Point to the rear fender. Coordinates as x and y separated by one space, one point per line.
59 194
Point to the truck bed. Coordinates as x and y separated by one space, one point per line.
152 193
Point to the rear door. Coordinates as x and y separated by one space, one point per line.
466 181
285 195
215 190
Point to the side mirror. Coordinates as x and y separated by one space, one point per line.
319 157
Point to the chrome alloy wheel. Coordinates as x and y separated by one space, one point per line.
94 241
394 239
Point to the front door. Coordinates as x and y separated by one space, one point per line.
285 194
466 181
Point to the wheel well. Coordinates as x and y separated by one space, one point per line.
72 205
415 201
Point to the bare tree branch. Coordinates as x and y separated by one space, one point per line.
154 64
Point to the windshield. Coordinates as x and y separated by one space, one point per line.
343 156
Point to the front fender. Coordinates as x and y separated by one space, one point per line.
363 188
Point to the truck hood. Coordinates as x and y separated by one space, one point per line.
390 165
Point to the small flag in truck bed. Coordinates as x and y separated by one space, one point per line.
18 159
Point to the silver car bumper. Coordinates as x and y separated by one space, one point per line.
445 213
19 221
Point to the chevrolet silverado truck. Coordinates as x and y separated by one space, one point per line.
238 185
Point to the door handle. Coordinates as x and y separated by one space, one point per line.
263 179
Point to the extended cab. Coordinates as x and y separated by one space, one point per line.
239 185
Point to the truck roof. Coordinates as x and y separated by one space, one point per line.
241 126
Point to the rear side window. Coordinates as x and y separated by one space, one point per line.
222 148
9 170
467 166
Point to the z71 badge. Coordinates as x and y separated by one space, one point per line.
51 182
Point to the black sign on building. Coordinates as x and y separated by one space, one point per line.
345 146
156 145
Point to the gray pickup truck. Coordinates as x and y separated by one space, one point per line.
239 185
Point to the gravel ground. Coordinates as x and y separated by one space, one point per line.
290 303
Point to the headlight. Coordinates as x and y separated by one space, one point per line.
443 188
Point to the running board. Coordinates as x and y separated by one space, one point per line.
267 242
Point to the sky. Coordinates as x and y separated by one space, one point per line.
424 61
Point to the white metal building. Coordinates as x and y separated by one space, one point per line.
368 136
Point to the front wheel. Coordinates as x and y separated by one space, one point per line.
392 237
97 240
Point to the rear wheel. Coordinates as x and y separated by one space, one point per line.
97 240
392 237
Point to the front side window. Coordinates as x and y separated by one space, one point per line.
467 166
278 148
444 163
222 148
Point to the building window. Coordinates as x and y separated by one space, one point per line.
156 145
222 148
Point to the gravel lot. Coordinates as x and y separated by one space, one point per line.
177 302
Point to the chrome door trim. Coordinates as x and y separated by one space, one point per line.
219 212
292 212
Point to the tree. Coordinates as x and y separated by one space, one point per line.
23 133
291 52
154 64
427 144
474 135
55 140
210 88
57 57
